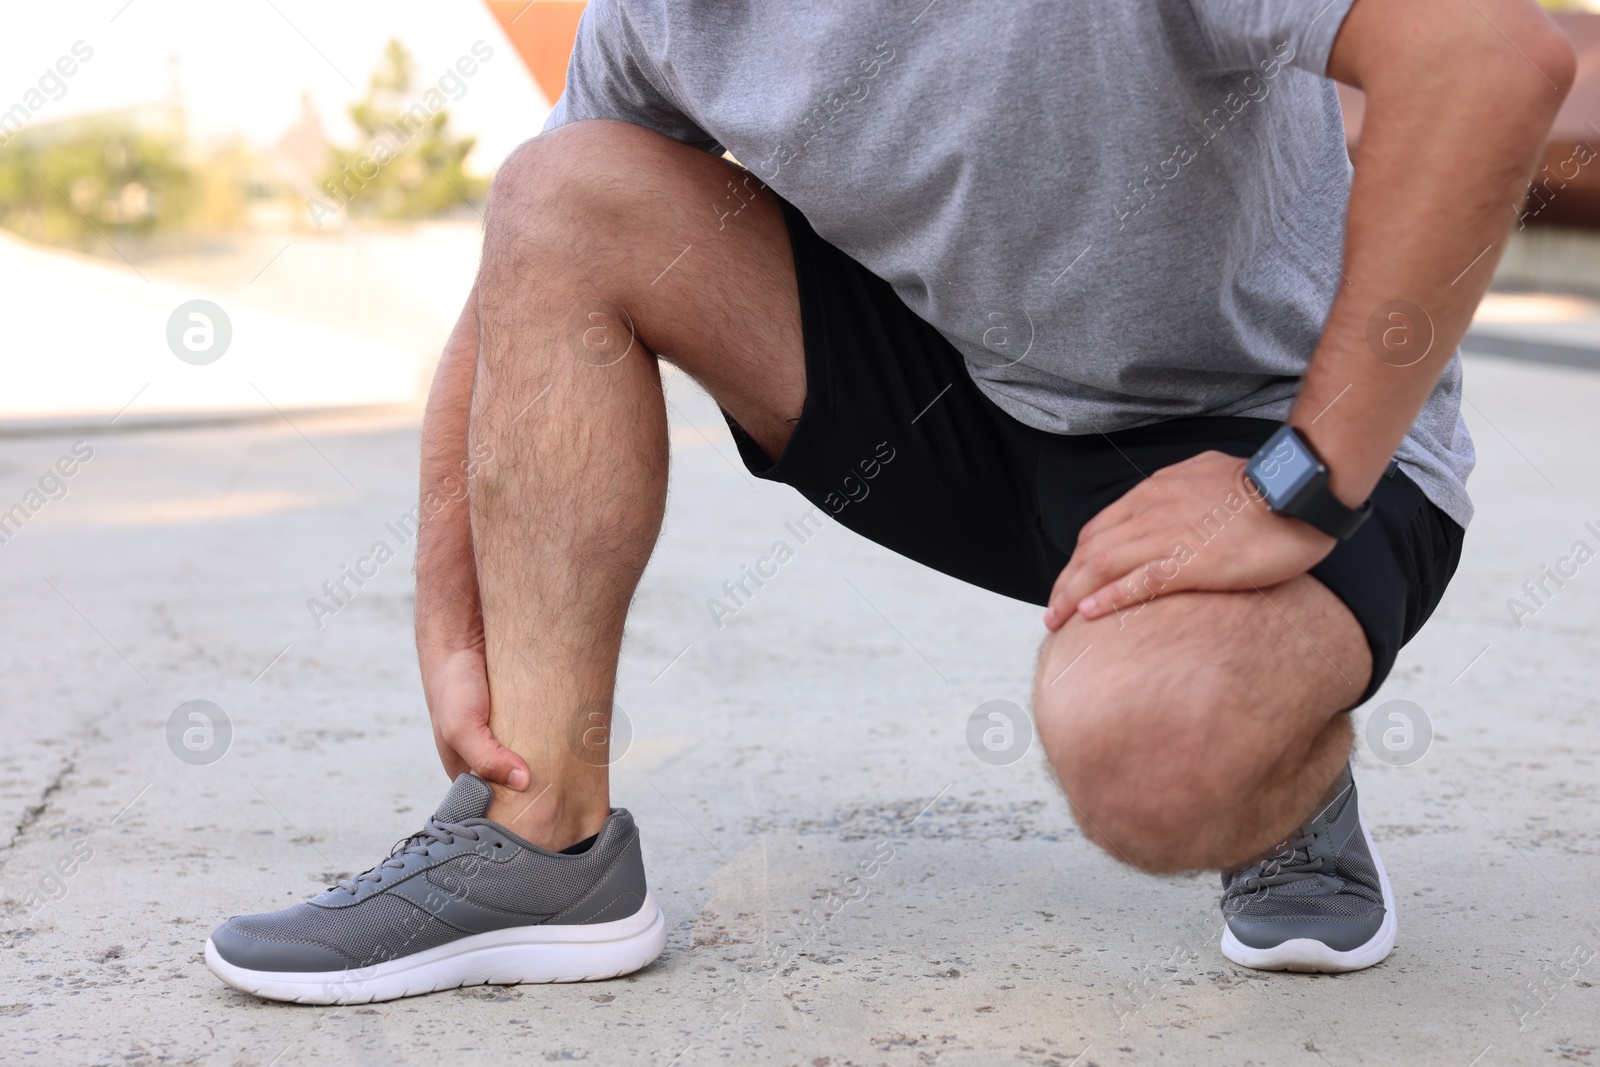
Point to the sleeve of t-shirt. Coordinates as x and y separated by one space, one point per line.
1247 33
611 76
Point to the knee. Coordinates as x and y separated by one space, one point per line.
577 175
1146 770
567 213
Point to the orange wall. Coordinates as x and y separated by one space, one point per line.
542 32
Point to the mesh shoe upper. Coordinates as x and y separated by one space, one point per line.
460 875
1321 884
383 928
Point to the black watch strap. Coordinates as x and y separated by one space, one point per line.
1328 513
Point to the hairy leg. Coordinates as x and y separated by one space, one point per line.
605 247
1200 729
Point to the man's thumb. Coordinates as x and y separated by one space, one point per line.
493 762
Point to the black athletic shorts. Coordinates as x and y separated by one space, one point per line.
897 442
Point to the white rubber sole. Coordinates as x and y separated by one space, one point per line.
1313 957
500 957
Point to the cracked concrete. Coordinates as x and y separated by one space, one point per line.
30 814
771 759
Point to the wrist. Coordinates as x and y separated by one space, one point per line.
1294 481
438 649
446 618
435 650
442 670
1349 478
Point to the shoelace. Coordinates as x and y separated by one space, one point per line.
435 833
1292 864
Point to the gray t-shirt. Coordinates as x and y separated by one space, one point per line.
1119 211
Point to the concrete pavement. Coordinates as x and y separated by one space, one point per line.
820 733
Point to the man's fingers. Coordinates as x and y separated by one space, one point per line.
1100 532
489 759
1109 562
1097 569
1093 563
1111 598
1143 583
1095 554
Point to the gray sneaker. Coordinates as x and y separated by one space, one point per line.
462 902
1322 903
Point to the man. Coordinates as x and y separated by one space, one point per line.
1054 273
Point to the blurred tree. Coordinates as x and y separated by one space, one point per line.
73 184
409 164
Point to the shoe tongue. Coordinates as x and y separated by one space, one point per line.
468 799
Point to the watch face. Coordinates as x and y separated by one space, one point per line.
1282 468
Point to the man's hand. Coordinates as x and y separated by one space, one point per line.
449 618
458 702
1198 524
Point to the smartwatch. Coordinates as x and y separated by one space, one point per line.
1294 482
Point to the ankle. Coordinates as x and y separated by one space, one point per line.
549 816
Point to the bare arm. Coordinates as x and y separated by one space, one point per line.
449 622
1460 97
